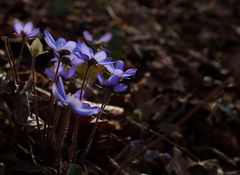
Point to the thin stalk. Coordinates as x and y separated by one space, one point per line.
21 53
61 137
50 106
106 100
11 61
55 123
84 80
74 141
35 94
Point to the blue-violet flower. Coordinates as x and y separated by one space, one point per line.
85 53
101 40
60 44
72 100
112 82
25 30
117 68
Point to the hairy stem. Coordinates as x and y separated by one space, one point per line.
84 80
11 62
35 105
106 100
49 112
61 136
74 141
21 53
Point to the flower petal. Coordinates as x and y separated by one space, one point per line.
28 27
113 80
129 73
60 87
86 50
119 65
110 68
70 45
120 88
105 38
33 33
108 60
60 43
87 36
59 92
100 56
49 40
101 80
78 94
75 60
18 27
81 108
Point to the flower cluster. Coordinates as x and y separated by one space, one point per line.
68 55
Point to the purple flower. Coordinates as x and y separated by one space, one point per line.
117 69
112 82
25 30
102 39
85 53
60 44
72 100
66 73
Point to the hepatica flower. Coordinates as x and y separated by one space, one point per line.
105 38
72 100
25 30
61 44
118 69
112 82
86 53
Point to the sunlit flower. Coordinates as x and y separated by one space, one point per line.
82 51
117 68
59 45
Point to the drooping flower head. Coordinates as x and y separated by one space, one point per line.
25 30
59 46
72 100
117 68
112 82
105 38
